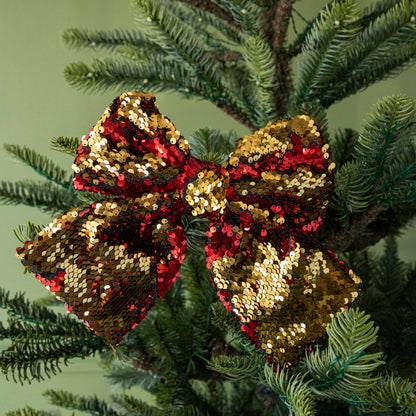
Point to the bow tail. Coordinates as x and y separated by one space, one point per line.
108 261
281 286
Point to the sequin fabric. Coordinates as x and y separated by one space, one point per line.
109 261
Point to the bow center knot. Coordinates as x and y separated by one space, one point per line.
205 192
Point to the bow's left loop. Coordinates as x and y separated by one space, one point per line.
133 149
108 261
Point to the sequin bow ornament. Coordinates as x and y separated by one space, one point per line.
110 260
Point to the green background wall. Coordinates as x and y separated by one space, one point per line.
36 105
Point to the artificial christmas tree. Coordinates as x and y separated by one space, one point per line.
235 54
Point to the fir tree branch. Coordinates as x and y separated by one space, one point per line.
181 39
296 47
238 367
384 48
246 13
191 50
40 339
389 393
68 145
48 197
342 146
218 36
91 405
355 238
353 192
212 8
40 164
27 232
30 359
212 144
29 411
126 375
375 10
136 407
261 68
387 294
107 73
329 41
109 40
20 307
293 390
209 21
156 75
369 14
386 149
343 369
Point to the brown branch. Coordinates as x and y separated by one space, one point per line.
207 6
355 238
235 115
276 23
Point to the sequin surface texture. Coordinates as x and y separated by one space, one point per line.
109 261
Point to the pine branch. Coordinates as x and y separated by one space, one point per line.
68 145
27 232
191 49
156 75
218 36
109 40
342 146
390 393
296 47
48 197
328 43
386 149
40 164
91 405
375 10
293 390
20 307
239 367
212 144
29 359
209 20
179 38
343 369
261 69
29 411
245 13
383 49
41 340
380 176
125 375
199 291
212 8
369 14
353 192
388 291
136 407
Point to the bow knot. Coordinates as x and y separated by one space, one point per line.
206 192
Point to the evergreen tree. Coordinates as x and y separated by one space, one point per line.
189 351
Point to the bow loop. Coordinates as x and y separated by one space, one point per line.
132 150
281 175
